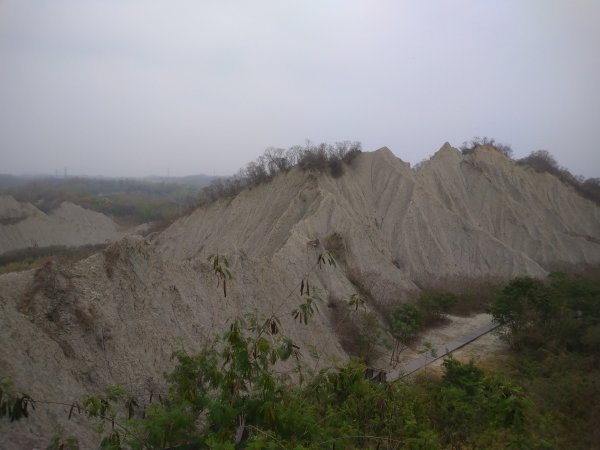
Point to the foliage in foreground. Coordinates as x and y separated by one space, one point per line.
559 314
249 389
232 399
553 327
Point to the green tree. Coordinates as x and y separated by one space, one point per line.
434 305
404 324
522 307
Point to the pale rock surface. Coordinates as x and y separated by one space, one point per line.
22 225
117 316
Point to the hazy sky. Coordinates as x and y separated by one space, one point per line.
138 87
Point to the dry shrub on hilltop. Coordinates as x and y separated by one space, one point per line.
273 161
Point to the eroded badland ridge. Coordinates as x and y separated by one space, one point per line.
116 316
23 225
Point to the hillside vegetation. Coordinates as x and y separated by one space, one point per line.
231 395
322 157
541 161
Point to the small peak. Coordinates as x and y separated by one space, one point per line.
386 153
384 150
446 146
446 149
388 157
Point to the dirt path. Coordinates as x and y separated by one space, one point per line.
467 338
441 351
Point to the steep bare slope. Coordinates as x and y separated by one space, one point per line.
115 317
22 225
531 212
467 216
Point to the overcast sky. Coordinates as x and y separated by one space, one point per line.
139 87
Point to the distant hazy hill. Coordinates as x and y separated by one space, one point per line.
130 200
22 225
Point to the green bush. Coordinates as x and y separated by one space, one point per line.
562 311
405 322
470 404
433 305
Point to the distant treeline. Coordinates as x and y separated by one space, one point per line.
540 161
140 201
318 157
128 200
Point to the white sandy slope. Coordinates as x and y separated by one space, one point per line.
457 216
116 316
22 225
